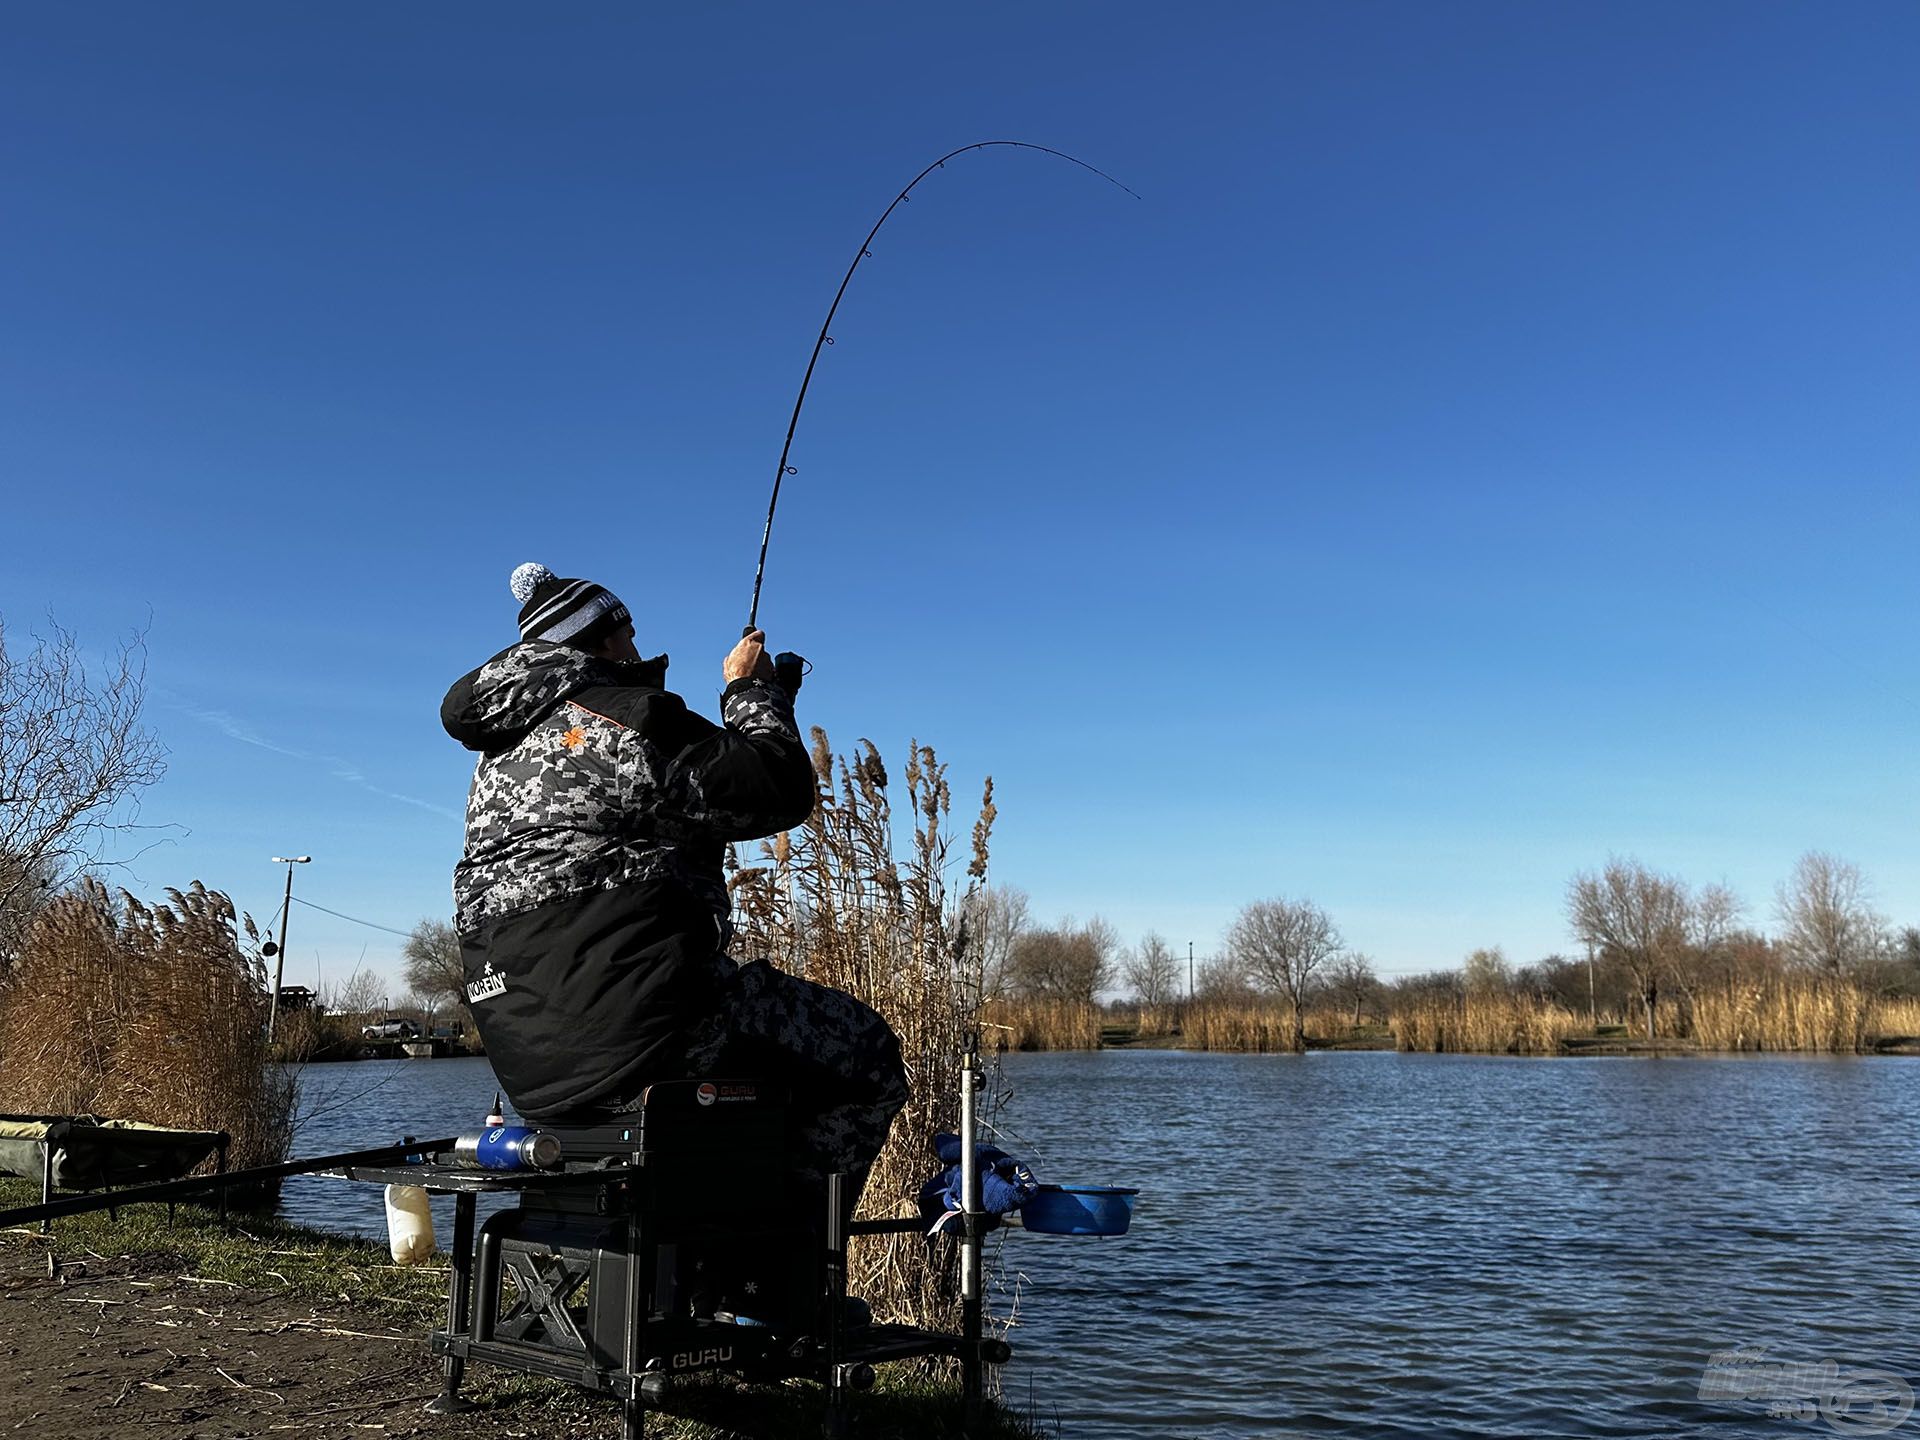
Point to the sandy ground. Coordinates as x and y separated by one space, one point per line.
109 1347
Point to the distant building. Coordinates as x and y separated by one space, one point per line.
296 997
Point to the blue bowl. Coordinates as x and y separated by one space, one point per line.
1079 1210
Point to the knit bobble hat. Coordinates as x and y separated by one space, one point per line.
561 610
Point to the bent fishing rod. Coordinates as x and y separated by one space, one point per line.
825 338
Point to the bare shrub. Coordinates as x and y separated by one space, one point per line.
151 1013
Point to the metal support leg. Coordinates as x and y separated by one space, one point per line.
971 1389
459 1307
46 1182
642 1278
836 1305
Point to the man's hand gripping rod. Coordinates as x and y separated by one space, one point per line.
789 669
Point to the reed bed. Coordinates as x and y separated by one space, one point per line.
1241 1025
1783 1013
1500 1024
1246 1024
1897 1019
1156 1021
150 1013
860 899
1040 1025
1800 1013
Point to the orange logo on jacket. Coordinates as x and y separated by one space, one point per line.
574 738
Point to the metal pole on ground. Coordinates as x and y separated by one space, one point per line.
280 950
970 1221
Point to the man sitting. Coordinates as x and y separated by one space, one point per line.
590 901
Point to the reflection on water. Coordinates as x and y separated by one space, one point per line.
1398 1245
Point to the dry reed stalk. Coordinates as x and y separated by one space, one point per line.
1238 1025
1152 1021
1494 1024
1897 1018
144 1013
1800 1012
1041 1025
845 902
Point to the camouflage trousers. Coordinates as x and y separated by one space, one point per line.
838 1057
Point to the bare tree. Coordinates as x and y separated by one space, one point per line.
1486 972
1635 917
1351 978
361 994
997 916
1153 970
1710 956
433 970
1904 953
1827 918
1221 978
1279 945
73 759
1067 962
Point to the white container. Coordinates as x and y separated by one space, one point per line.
409 1224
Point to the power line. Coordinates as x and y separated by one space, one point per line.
403 934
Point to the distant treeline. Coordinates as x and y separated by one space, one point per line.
1659 963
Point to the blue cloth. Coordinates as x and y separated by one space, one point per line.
1005 1183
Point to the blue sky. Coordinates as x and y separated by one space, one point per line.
1489 444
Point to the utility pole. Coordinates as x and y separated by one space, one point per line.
1593 1011
280 950
1189 971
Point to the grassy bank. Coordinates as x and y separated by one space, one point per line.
328 1291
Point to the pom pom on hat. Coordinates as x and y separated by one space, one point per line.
564 611
528 578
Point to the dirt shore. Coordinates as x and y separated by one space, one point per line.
115 1340
112 1345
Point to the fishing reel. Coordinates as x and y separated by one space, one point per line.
789 670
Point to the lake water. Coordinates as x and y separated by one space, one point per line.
1397 1245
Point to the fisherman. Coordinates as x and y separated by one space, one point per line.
590 902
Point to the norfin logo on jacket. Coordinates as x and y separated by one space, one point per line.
490 986
574 738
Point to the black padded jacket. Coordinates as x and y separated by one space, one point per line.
590 899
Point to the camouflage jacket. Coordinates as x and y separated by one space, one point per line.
590 898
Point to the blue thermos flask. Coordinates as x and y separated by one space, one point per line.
508 1147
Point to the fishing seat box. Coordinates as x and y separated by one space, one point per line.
719 1229
651 1252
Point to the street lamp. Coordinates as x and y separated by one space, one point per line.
280 951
